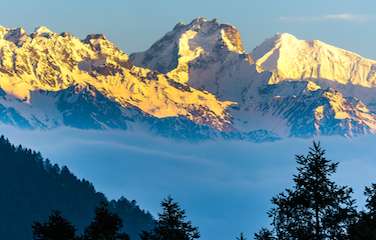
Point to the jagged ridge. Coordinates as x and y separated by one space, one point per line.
198 76
232 74
48 61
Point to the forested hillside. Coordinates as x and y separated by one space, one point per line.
31 187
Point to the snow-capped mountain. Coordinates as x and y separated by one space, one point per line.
53 62
196 82
289 86
205 55
292 59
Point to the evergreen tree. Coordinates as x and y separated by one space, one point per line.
145 235
171 224
56 228
264 234
241 237
365 227
316 208
105 226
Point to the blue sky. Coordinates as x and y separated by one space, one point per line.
135 24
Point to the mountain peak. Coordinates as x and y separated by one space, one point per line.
285 36
95 36
42 30
293 59
223 36
188 42
288 40
198 21
276 41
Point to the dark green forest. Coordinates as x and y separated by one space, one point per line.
32 187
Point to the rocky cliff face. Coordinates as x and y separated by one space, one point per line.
206 55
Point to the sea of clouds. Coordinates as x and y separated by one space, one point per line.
225 187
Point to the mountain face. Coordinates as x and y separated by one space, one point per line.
312 110
32 187
292 59
289 86
52 62
205 55
196 82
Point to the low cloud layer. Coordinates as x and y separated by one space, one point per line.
225 186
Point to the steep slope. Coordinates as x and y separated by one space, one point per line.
84 107
187 42
206 55
292 59
303 109
32 187
48 61
210 56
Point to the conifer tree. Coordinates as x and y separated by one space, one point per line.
264 234
365 227
105 226
171 224
56 228
316 208
241 237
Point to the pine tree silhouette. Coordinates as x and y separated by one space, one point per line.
105 226
316 208
241 237
56 228
365 227
171 224
264 234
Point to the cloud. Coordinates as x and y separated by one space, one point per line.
342 17
225 186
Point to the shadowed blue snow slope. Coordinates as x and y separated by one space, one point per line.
225 187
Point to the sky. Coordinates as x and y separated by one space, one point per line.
135 24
